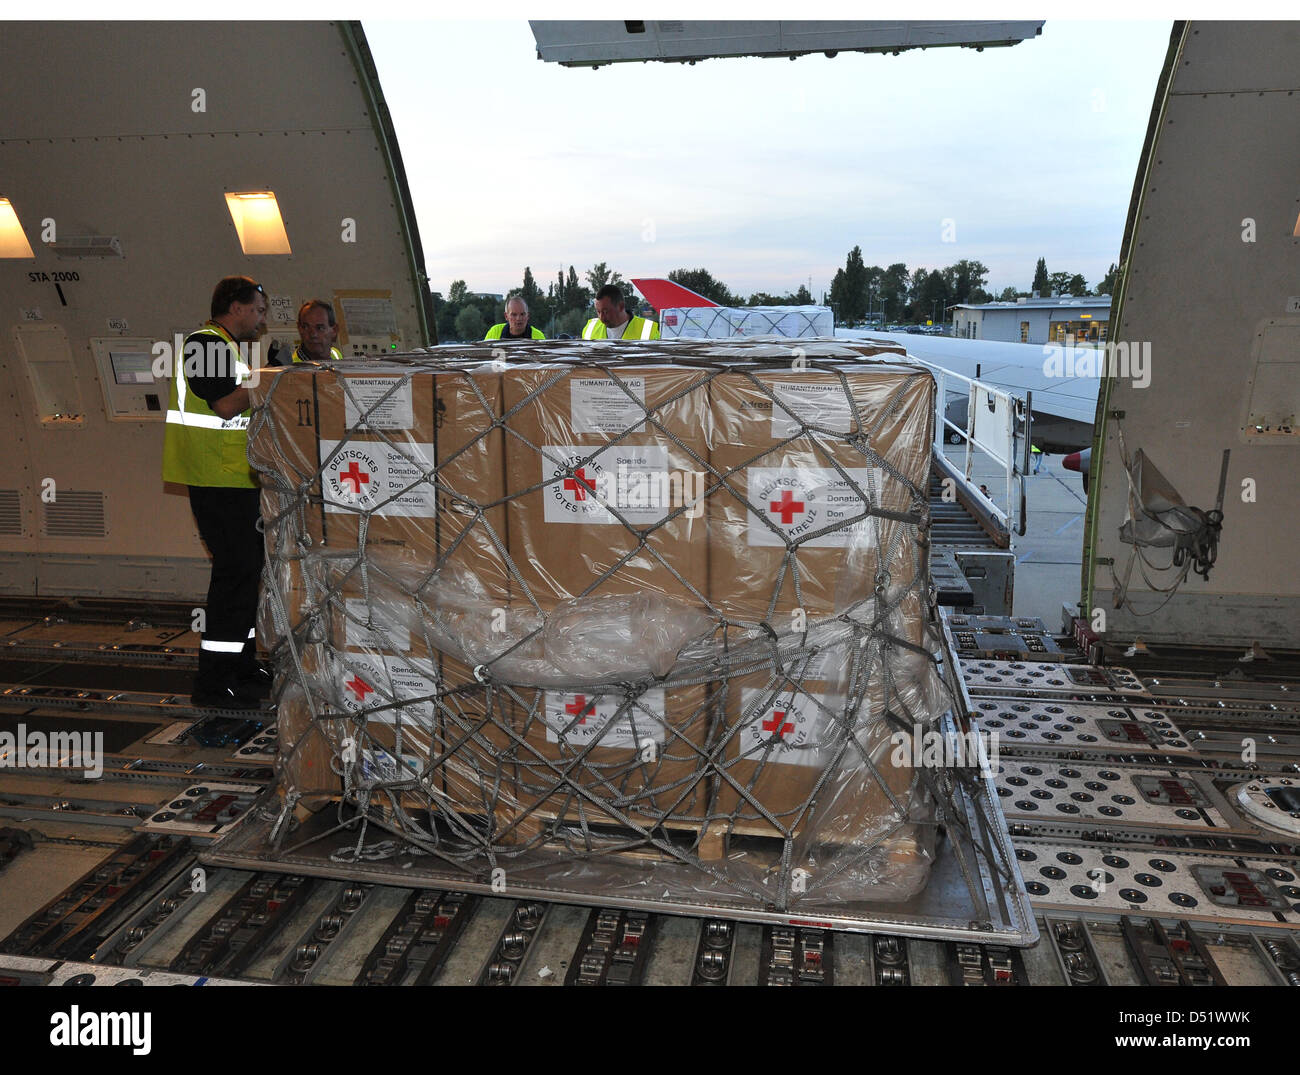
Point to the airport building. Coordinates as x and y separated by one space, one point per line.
1058 319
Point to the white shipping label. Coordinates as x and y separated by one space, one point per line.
578 720
364 681
380 765
380 478
378 403
600 405
370 628
632 478
829 664
280 310
803 500
818 403
788 729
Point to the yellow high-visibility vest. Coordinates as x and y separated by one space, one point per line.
494 333
639 328
335 355
199 446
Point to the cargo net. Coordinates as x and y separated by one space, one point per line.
681 722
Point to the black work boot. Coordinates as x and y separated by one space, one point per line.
254 678
219 684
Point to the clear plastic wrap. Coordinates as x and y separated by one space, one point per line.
650 619
726 322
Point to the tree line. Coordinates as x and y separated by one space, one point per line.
563 307
861 292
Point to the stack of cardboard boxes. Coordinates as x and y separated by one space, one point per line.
801 455
601 466
377 471
486 496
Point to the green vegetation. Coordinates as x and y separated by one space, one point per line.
859 294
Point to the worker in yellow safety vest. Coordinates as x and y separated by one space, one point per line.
612 321
516 326
205 447
318 332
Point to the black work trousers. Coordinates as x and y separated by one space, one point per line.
227 521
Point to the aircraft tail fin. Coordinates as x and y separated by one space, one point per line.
665 295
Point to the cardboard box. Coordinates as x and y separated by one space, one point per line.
389 424
643 760
784 734
434 720
305 753
479 770
359 440
579 452
579 444
795 484
470 451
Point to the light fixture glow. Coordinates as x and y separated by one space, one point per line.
13 240
257 220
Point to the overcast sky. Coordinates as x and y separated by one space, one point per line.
766 172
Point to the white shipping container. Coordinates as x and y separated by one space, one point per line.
726 322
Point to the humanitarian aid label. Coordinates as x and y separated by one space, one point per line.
579 720
791 728
377 402
633 479
373 628
794 502
366 681
380 478
603 405
823 404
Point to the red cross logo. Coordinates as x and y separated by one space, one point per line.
776 724
581 485
787 506
359 687
356 476
578 705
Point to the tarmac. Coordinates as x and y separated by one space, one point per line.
1050 554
